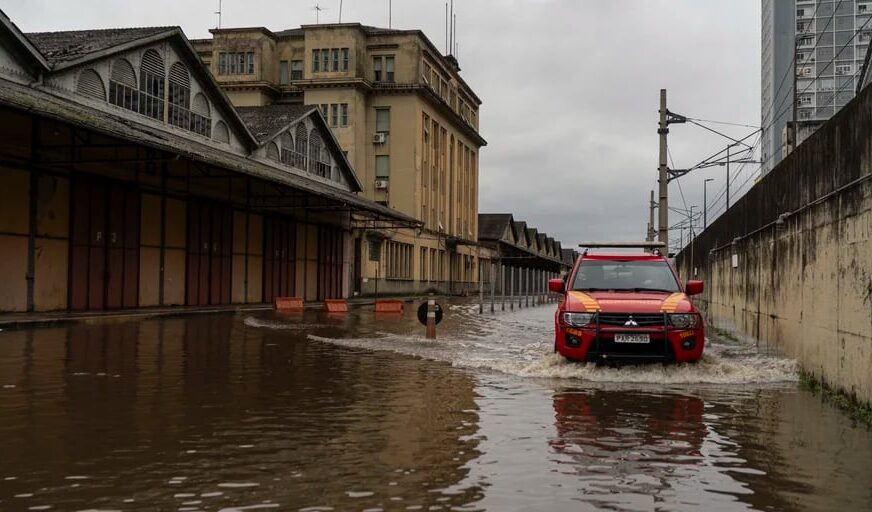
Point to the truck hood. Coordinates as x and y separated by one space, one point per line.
628 302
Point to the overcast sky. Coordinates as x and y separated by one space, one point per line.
570 89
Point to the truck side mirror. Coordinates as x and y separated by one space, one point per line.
694 287
556 286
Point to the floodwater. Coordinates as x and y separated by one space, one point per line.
258 411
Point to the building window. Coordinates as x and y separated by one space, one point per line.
345 59
296 70
221 133
272 151
423 265
301 142
122 86
180 96
382 167
398 260
284 75
334 114
201 121
316 61
325 110
151 85
335 63
844 69
315 156
287 148
236 63
90 84
325 60
382 120
343 114
383 68
377 69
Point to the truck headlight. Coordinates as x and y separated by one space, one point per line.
684 320
577 319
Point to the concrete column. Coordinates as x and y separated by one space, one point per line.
502 287
512 288
527 287
492 275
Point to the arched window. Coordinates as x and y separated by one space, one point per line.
221 133
122 86
314 151
180 96
90 84
201 121
301 146
272 151
287 149
151 85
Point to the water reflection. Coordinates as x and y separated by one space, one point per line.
208 412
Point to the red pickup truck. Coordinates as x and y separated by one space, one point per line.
626 307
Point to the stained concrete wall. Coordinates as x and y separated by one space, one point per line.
790 264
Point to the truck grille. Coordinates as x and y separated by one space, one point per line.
643 319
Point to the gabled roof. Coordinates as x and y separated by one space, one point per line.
532 238
21 45
543 242
520 228
61 47
77 47
492 226
569 255
269 121
551 248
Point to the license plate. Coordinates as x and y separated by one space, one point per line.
632 338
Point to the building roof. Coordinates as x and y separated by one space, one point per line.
61 47
267 121
492 226
41 103
569 255
520 228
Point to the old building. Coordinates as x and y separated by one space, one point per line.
128 179
407 122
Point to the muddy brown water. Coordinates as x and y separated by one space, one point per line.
259 411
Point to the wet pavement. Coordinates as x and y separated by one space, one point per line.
257 410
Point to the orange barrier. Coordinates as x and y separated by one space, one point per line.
388 306
289 303
336 306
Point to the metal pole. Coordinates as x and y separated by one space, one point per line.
492 276
663 214
502 287
480 286
651 206
526 287
512 288
728 176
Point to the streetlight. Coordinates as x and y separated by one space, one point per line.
705 204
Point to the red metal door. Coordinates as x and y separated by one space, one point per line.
279 271
210 254
329 263
104 248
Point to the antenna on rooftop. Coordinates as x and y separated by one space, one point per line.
446 28
218 12
390 12
340 11
318 10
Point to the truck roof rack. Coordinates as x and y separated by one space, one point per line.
655 247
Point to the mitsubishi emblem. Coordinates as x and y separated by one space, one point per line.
631 323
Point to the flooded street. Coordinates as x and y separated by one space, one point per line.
254 411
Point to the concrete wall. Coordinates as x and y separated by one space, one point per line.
802 284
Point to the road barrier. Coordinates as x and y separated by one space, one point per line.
389 306
289 304
336 306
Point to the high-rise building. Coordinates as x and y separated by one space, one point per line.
406 120
812 53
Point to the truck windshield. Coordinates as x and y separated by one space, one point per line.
629 275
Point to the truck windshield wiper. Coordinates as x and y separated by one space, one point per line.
648 290
592 289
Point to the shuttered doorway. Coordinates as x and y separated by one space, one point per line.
104 248
280 258
210 254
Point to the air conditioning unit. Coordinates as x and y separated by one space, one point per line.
381 184
379 138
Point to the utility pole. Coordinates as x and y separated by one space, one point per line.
663 177
705 204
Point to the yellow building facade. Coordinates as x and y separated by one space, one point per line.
407 122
